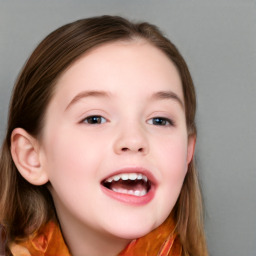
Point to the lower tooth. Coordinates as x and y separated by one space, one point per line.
130 192
137 193
143 193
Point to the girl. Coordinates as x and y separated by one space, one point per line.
98 155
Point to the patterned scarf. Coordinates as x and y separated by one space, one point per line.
162 241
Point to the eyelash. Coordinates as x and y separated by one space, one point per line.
94 120
159 121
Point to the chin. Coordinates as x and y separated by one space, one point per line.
132 231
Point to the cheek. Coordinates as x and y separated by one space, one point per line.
70 163
173 164
173 154
170 156
73 157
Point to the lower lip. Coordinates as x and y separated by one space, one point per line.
130 199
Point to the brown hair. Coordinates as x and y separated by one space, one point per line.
24 207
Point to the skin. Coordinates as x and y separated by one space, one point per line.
75 156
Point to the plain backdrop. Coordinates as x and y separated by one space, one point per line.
218 40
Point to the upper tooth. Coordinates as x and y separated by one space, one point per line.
145 178
139 177
132 176
109 180
116 177
126 176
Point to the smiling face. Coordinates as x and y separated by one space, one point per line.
115 144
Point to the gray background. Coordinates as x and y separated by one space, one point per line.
218 41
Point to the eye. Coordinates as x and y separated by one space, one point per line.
161 121
94 120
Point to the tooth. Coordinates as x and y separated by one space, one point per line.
137 193
130 192
109 180
124 176
145 178
143 192
116 177
120 190
139 177
132 176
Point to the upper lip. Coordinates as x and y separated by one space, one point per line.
138 170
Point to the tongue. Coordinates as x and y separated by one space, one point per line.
128 185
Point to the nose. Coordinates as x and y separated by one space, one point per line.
131 139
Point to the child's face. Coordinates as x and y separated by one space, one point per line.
118 110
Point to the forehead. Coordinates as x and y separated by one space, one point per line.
131 64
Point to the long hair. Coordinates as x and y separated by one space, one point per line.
24 208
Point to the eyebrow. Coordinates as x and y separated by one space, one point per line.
162 95
86 94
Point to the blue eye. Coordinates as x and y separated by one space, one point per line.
161 121
94 120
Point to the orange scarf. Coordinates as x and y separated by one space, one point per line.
49 242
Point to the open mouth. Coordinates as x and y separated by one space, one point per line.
136 184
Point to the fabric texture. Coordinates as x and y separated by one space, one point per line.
49 241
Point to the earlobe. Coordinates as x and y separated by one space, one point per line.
26 156
191 148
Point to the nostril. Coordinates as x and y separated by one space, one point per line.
127 149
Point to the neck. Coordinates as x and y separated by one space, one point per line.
86 241
82 243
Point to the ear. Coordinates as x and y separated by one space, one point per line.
26 156
191 147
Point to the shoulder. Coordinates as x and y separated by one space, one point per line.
47 241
